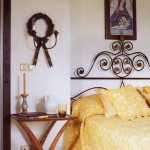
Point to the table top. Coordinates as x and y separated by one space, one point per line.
50 117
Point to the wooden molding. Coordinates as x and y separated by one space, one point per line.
6 73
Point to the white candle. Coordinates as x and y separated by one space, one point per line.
24 83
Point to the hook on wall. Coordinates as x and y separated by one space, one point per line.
41 41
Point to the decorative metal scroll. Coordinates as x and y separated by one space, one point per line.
74 98
121 62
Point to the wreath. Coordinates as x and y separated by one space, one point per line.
41 41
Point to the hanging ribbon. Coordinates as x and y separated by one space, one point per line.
41 41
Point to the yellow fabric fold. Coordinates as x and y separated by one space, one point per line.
71 136
91 130
99 133
126 101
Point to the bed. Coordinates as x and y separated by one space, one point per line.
116 118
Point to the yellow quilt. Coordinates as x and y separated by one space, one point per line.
99 133
91 130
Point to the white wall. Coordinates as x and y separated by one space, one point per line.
43 80
84 21
88 39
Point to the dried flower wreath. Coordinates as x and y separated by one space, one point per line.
41 41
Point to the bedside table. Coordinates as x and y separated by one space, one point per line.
52 119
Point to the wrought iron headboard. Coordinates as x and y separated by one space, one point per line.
121 62
79 94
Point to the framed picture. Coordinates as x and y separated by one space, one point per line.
120 19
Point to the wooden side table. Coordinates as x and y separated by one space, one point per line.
38 144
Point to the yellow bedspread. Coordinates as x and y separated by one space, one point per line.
99 133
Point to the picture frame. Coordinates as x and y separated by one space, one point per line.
120 19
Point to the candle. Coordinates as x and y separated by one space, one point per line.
24 83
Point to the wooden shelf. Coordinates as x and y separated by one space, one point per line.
52 119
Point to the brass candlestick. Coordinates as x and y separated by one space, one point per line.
24 103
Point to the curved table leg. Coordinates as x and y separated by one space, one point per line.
58 136
36 144
42 141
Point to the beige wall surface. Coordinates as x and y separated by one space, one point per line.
81 28
43 80
88 39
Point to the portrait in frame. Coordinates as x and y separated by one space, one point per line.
120 19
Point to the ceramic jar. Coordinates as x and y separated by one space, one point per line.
50 104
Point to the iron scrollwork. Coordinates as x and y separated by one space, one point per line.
121 62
